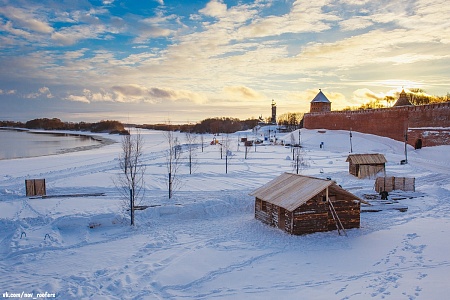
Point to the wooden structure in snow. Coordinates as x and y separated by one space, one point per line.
390 184
300 204
35 187
366 165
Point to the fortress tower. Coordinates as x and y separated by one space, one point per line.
402 100
320 103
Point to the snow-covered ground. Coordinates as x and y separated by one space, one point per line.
205 243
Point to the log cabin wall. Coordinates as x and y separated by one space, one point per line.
265 212
311 217
348 212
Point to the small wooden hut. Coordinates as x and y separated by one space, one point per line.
366 165
300 204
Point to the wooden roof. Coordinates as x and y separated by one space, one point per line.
290 191
366 159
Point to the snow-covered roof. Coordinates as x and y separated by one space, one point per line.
290 191
320 97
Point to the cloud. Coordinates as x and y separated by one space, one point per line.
137 93
9 92
154 27
43 91
365 95
8 27
355 23
242 93
303 17
70 35
75 98
25 19
89 96
214 8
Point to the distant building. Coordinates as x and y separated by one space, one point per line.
403 100
320 103
273 120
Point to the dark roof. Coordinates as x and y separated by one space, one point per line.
320 97
290 191
403 100
366 159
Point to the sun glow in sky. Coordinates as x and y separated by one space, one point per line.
157 60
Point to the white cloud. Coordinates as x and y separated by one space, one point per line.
89 96
214 8
75 98
70 35
43 91
242 93
25 19
9 92
355 23
137 93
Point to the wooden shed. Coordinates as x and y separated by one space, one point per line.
366 165
301 204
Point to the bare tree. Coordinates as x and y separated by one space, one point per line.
130 180
299 161
226 146
173 156
191 140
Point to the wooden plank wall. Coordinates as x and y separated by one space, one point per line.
370 170
390 184
35 187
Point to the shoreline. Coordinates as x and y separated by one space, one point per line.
102 141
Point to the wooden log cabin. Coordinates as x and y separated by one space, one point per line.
300 204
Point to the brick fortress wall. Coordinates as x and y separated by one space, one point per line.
430 123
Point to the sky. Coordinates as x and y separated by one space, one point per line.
157 61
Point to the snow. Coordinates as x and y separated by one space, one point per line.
205 243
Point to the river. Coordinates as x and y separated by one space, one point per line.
24 143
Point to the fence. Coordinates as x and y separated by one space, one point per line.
35 187
389 184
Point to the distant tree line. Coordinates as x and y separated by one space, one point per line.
291 121
210 125
110 126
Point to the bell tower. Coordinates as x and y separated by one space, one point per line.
273 120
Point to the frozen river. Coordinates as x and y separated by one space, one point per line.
17 144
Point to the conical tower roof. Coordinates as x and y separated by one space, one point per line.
402 100
320 97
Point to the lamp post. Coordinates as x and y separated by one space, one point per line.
351 146
406 143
